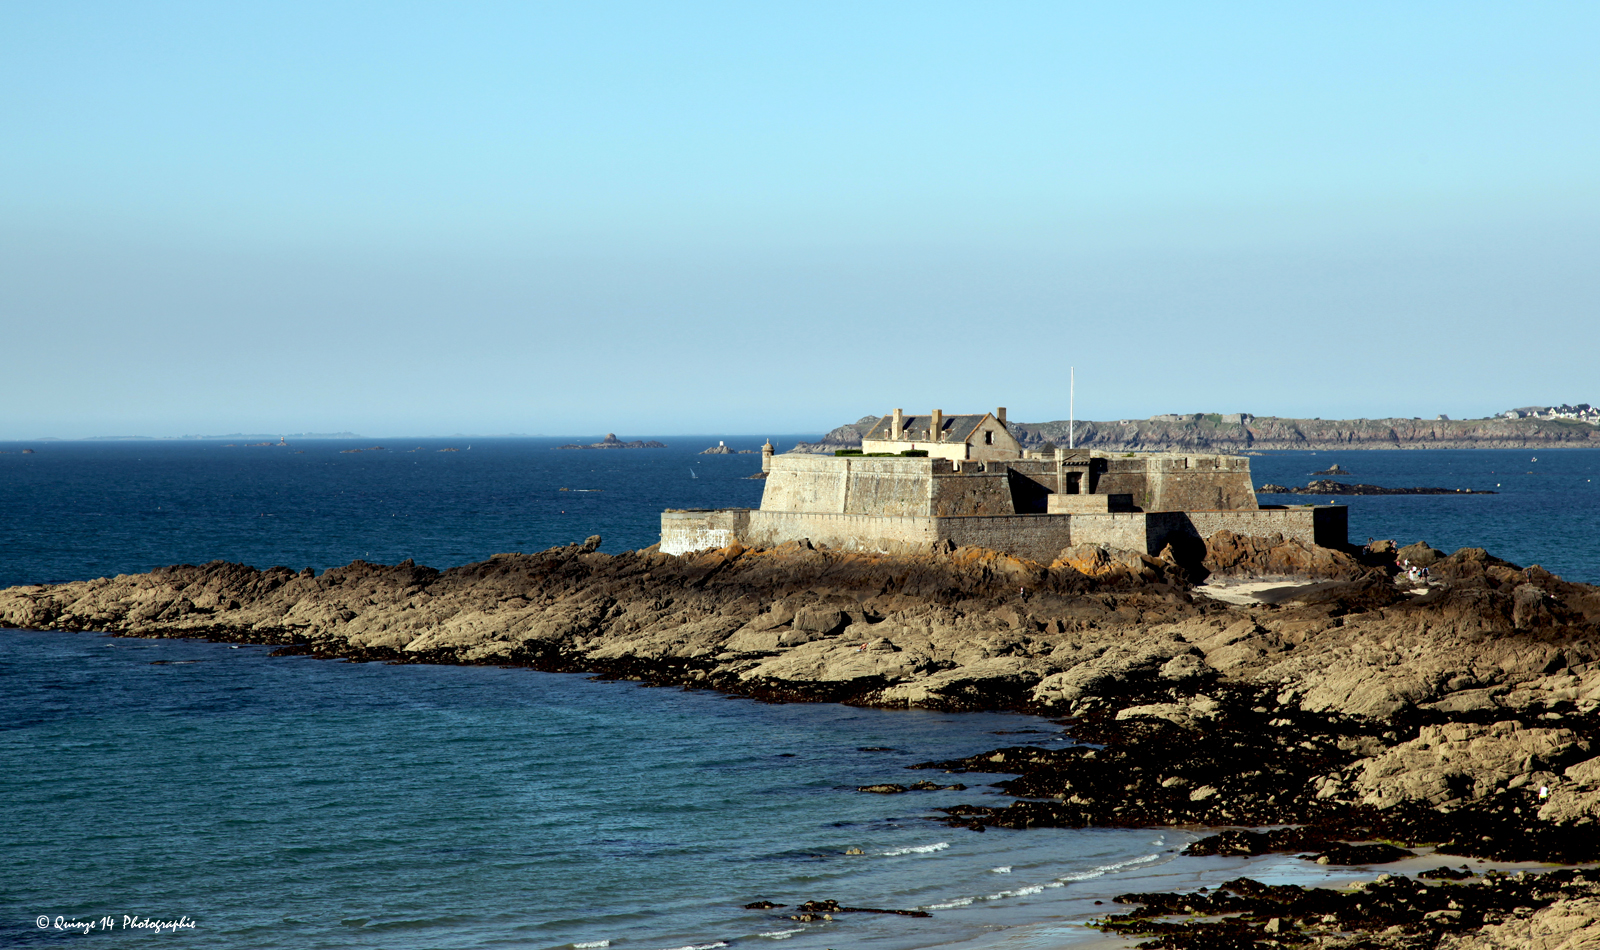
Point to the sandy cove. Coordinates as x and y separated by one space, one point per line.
1463 716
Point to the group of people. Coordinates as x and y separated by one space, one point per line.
1414 573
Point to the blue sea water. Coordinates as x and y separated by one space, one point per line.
76 510
300 803
1546 509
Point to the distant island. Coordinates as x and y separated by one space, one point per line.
1531 427
1323 486
612 442
233 435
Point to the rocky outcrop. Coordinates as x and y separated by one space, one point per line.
1462 713
1443 909
1231 554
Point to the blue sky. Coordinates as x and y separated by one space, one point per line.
414 218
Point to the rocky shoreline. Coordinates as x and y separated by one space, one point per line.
1355 719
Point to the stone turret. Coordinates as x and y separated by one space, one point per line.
766 457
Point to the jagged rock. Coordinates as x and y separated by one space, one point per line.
1231 554
1421 554
1563 925
821 620
1461 760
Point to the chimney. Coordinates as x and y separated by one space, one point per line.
936 427
898 425
1000 414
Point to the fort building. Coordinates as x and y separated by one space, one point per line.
920 482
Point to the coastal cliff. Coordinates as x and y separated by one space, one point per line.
1345 703
1213 432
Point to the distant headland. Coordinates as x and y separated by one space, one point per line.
1531 427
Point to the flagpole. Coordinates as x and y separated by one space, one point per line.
1072 396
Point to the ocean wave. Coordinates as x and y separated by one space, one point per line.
1004 870
1105 869
1019 892
950 905
923 849
591 945
701 946
782 934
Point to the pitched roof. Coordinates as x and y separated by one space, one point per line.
953 428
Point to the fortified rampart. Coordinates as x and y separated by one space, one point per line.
1179 482
1032 507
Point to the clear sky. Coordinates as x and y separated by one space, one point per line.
759 217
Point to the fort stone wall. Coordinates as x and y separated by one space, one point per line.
894 504
1039 537
805 483
972 491
1325 525
893 534
1171 482
683 531
887 486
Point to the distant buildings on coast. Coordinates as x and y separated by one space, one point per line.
1582 412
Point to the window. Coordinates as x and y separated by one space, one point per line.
988 437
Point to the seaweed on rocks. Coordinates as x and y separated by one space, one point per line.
1391 911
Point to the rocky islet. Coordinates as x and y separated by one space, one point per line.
1324 486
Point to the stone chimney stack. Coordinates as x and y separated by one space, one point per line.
1000 414
898 426
766 456
936 427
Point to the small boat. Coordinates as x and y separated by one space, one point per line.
692 474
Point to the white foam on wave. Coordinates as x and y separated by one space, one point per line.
591 945
1032 889
701 946
1019 892
782 934
923 849
1105 869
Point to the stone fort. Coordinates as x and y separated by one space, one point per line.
920 482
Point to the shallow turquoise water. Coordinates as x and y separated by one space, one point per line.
295 802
